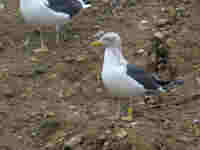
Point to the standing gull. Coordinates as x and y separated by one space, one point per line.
123 79
50 12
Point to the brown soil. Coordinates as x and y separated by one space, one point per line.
45 110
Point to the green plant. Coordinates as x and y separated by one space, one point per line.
39 69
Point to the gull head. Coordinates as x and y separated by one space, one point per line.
108 40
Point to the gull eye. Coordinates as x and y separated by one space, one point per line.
113 38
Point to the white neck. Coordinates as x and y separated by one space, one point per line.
25 4
113 56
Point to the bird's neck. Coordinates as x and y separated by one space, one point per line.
25 3
112 57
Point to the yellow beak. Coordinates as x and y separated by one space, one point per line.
96 43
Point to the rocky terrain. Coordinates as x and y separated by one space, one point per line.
55 100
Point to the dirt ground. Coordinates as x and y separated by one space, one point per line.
55 100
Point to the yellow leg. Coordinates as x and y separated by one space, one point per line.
57 38
129 116
59 33
42 43
118 113
43 47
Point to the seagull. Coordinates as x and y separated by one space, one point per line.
123 79
50 12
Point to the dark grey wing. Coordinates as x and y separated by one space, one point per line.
71 7
146 79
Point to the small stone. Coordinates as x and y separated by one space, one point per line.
140 51
72 107
108 131
162 22
68 59
133 124
166 33
77 84
163 9
74 141
9 93
159 35
144 25
197 79
99 90
106 144
20 137
102 137
96 27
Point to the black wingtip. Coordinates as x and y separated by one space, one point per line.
179 82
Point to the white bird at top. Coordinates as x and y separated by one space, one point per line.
50 12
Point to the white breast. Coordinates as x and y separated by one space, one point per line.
119 84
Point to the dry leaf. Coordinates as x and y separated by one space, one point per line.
39 50
52 76
121 133
56 138
35 59
3 75
81 58
69 92
50 114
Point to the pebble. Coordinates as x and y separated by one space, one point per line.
108 131
72 107
8 93
197 79
163 9
99 90
102 137
106 143
74 140
159 35
140 51
144 25
162 22
20 137
77 84
133 124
